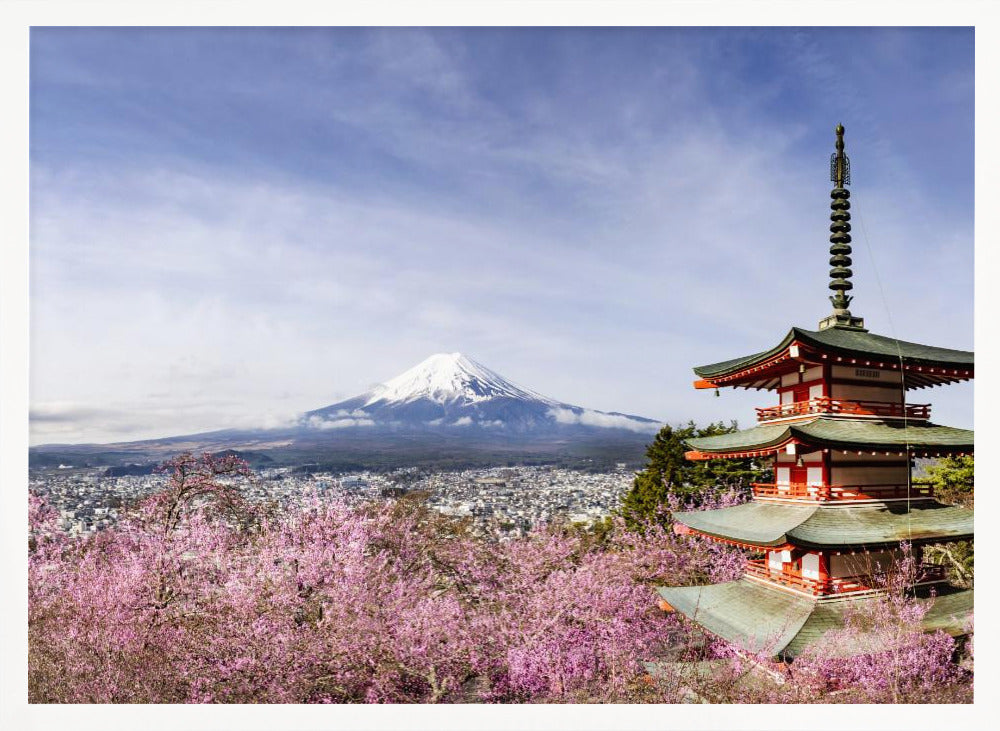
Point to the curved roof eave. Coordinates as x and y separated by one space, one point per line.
837 433
858 343
757 618
822 526
885 524
761 618
736 364
754 523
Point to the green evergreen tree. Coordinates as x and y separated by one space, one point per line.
953 480
669 473
663 475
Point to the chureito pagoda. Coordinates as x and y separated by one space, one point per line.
841 442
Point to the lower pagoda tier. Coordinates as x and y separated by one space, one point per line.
824 525
762 619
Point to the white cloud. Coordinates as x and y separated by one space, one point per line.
588 417
317 422
66 421
355 414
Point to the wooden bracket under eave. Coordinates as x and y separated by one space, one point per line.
694 454
702 383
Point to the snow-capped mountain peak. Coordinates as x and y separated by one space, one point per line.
450 391
446 378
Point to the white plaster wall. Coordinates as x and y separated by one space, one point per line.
813 373
774 560
810 566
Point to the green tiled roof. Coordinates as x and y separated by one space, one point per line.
762 524
745 612
746 439
883 523
760 618
850 342
826 616
726 367
816 526
837 433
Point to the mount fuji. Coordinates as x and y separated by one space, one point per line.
447 411
449 391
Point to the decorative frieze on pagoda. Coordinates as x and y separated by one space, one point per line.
841 441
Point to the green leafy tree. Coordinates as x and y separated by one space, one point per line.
668 473
953 480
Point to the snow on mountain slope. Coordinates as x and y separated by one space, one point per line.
450 390
447 377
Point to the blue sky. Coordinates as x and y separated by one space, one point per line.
231 226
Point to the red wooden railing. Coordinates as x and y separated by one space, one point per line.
841 585
825 405
822 493
760 569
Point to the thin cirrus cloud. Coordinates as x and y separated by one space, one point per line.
253 223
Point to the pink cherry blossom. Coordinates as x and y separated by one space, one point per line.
199 596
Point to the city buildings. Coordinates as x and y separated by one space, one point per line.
506 501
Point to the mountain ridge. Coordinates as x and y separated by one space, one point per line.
447 408
450 389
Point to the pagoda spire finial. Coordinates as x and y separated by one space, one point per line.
840 241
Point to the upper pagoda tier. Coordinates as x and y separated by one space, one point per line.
922 365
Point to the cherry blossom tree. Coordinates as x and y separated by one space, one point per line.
199 595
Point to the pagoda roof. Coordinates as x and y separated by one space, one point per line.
870 349
760 618
754 523
818 526
849 434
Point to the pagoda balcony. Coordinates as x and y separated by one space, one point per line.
832 493
825 405
834 586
